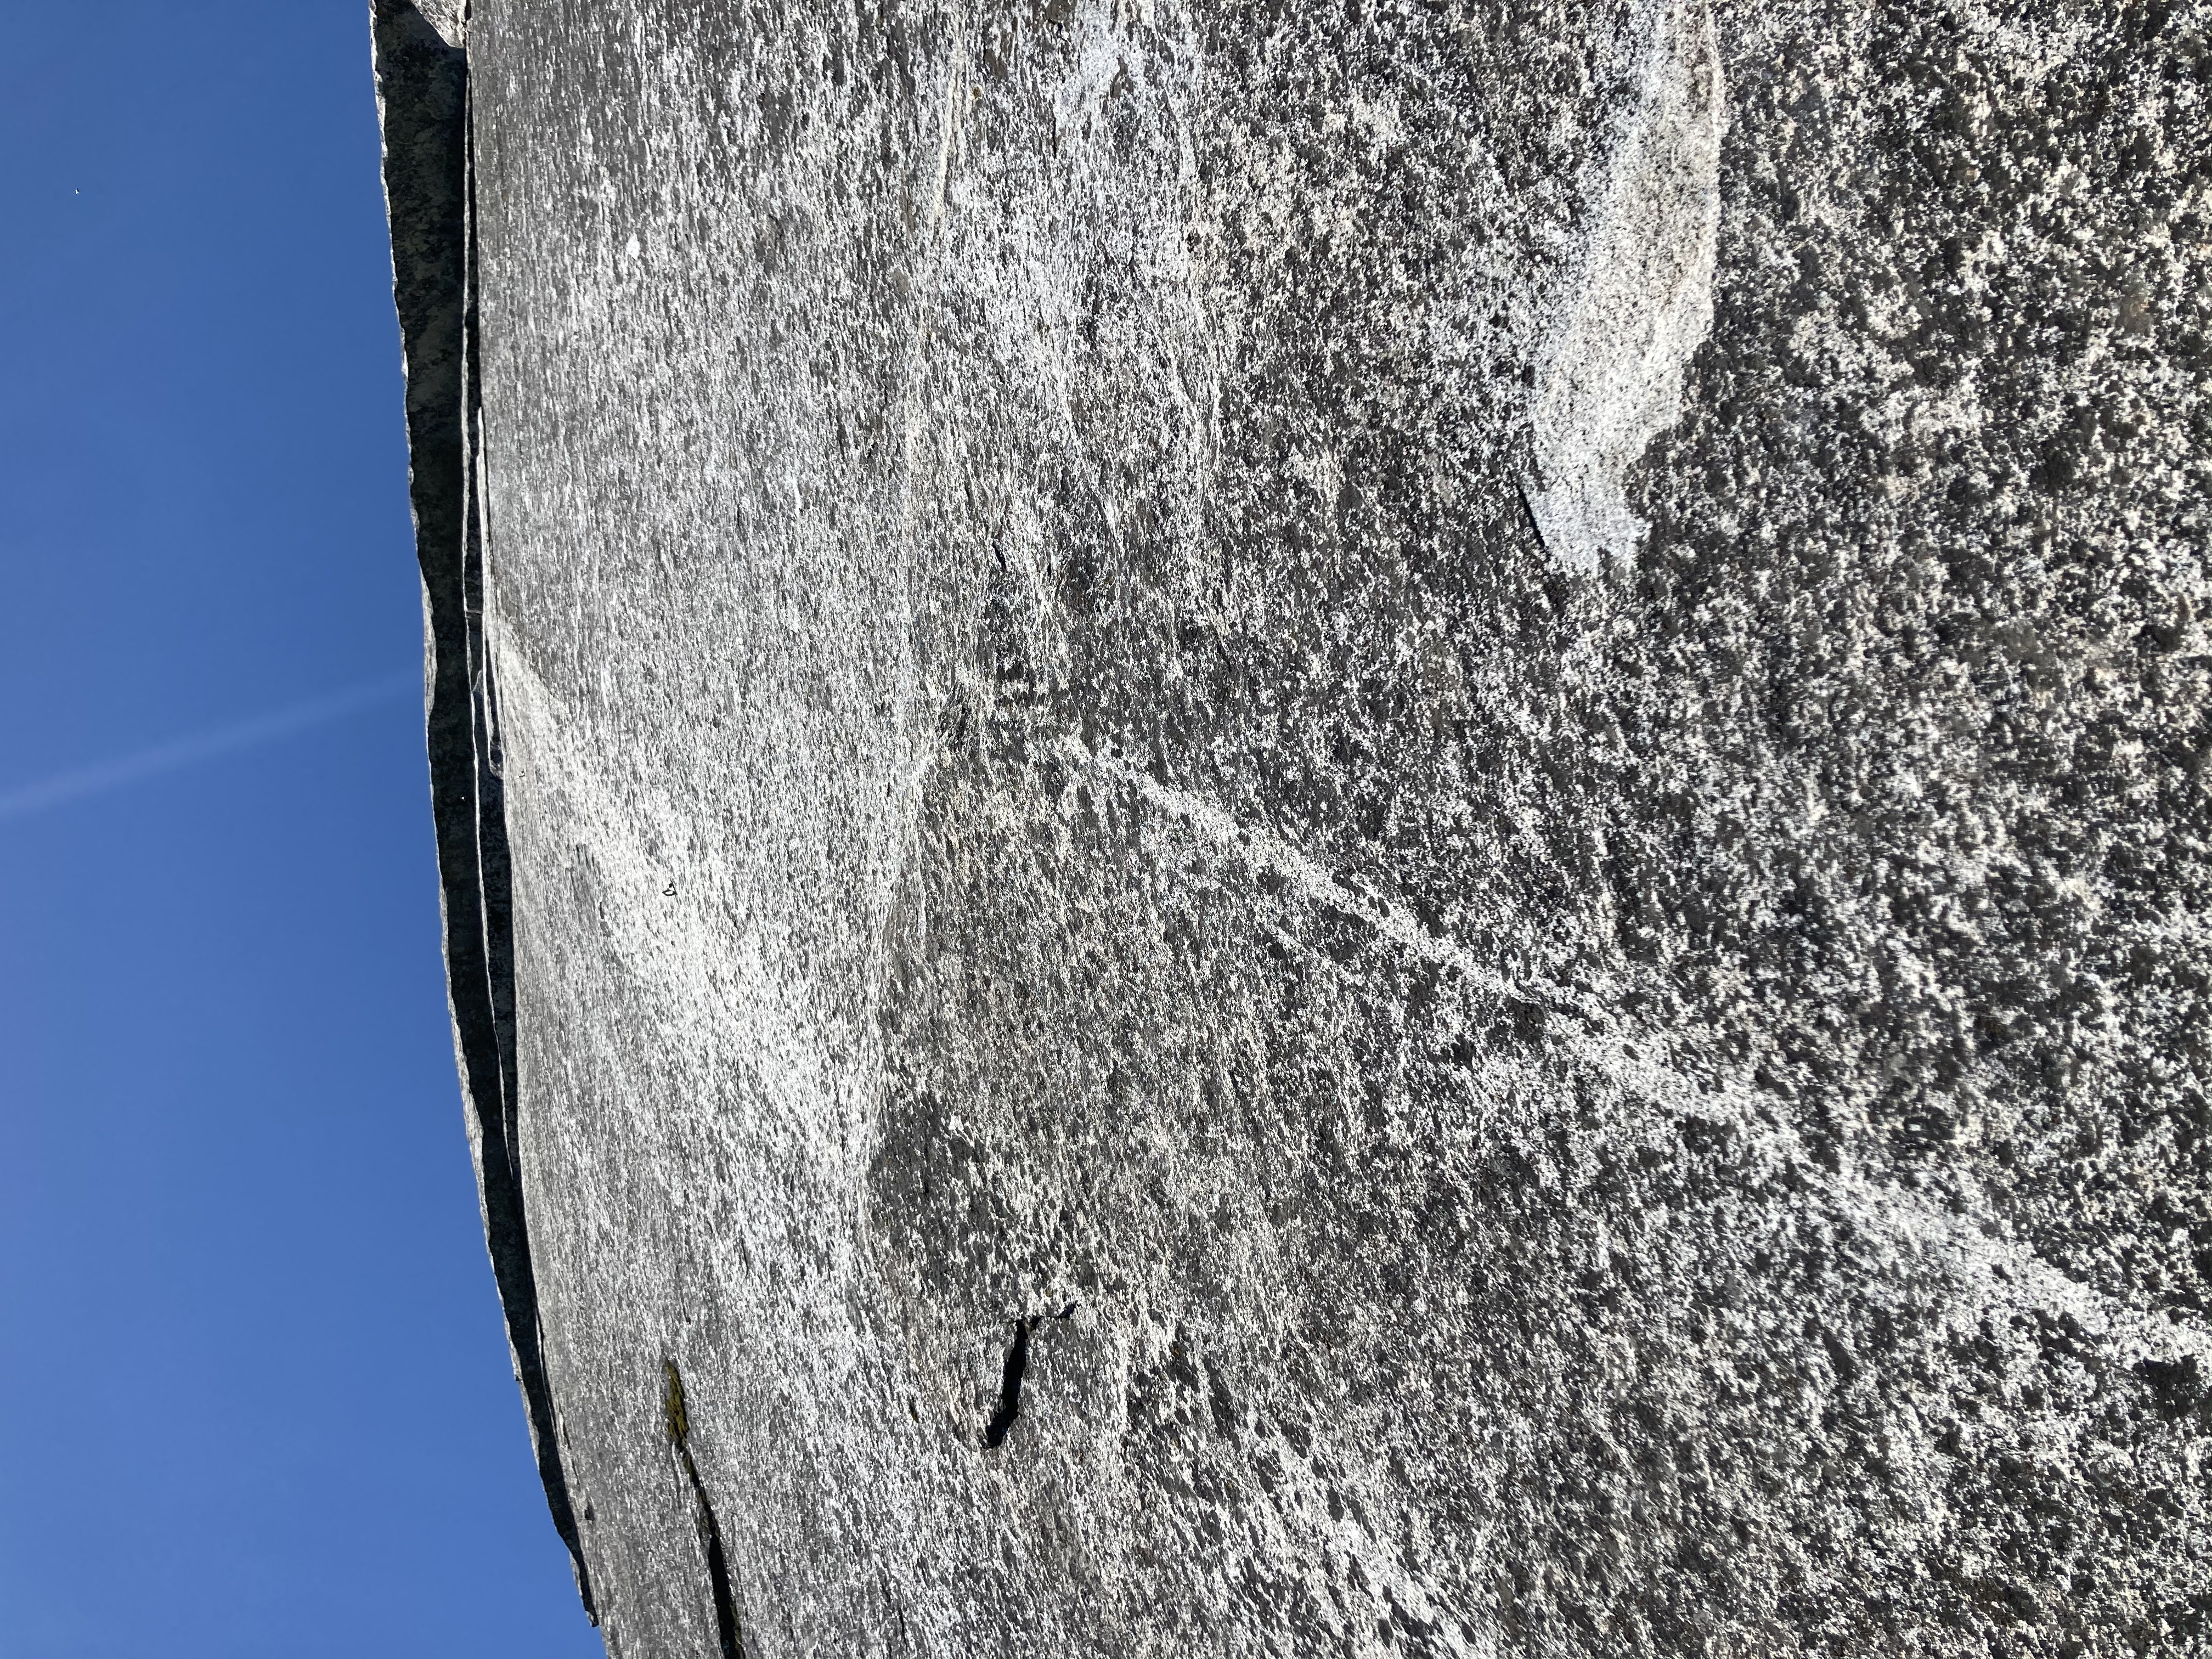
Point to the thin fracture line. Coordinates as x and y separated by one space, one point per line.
1989 1270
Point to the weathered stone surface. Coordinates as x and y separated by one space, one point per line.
1447 760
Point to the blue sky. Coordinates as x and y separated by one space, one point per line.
254 1399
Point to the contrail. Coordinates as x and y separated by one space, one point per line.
125 769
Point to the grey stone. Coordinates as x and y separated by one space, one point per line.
1331 830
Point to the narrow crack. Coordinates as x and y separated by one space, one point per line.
1009 1409
678 1418
1528 512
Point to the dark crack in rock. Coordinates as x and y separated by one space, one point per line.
1483 722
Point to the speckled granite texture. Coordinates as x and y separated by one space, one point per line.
1340 829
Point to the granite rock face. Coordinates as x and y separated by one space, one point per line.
1332 828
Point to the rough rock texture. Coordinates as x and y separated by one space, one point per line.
1334 828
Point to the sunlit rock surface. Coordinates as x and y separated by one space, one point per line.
1333 829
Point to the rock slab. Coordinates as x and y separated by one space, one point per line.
1293 830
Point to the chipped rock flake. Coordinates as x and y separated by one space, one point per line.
1641 298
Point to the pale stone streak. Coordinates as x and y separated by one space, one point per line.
907 807
1991 1271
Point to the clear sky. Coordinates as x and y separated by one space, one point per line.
254 1398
